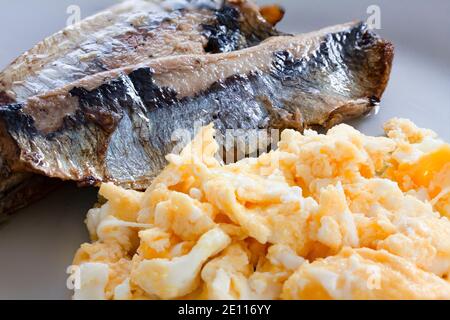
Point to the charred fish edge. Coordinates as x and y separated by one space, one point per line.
365 56
231 31
227 26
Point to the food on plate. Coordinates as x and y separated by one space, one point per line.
338 215
364 274
117 126
129 33
18 190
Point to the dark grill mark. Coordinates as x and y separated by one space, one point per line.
152 95
224 35
123 129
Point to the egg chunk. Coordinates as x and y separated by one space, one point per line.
339 215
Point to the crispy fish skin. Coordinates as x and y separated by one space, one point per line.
129 33
118 126
27 190
57 46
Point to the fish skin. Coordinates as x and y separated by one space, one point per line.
57 46
202 26
121 129
29 189
129 34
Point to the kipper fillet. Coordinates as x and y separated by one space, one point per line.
118 126
129 33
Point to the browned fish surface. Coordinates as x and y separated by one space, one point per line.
129 33
118 126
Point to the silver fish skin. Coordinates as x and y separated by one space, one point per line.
128 33
131 33
118 126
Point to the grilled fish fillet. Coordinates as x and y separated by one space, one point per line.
129 33
117 126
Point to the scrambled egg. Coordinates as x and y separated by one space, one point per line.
335 216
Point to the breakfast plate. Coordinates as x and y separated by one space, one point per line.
38 243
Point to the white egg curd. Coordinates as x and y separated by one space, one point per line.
335 216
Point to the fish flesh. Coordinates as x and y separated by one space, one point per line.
16 80
27 188
118 126
126 34
129 34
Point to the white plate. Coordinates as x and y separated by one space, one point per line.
38 243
